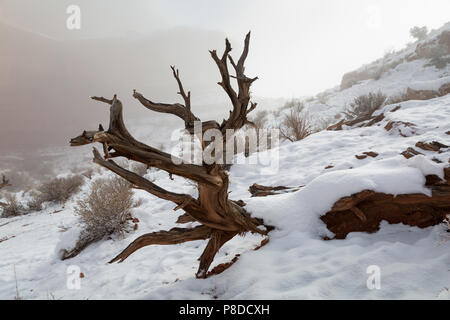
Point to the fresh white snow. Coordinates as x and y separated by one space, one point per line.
296 263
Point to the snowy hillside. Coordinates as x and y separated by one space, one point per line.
296 262
398 154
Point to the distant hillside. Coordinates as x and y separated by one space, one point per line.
419 72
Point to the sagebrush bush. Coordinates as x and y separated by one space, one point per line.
365 105
12 207
295 125
57 190
105 209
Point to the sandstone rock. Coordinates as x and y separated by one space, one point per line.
371 154
432 146
410 152
363 212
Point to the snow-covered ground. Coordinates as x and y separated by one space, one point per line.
295 264
416 74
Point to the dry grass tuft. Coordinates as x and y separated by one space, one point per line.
57 190
365 105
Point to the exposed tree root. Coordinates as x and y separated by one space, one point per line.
224 266
217 240
174 236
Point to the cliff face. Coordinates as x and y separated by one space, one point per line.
436 48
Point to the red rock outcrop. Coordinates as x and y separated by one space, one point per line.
364 211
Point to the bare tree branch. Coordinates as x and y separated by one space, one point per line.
103 99
139 181
184 112
240 101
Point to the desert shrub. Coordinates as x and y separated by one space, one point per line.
57 190
103 212
12 207
35 202
419 33
295 125
364 106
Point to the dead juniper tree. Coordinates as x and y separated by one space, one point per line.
221 219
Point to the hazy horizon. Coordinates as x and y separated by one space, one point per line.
297 49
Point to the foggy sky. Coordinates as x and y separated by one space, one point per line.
298 48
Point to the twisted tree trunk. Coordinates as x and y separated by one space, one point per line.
221 218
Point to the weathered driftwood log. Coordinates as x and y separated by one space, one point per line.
221 218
